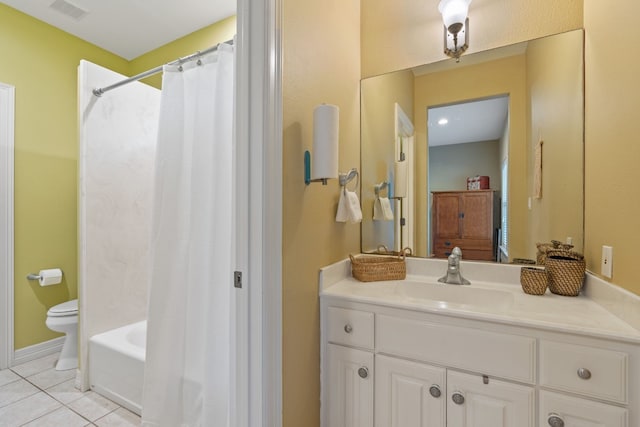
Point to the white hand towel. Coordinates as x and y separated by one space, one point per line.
349 207
382 209
341 215
353 207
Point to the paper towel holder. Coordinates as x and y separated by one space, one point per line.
325 145
307 171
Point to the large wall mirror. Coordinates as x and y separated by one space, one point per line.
513 114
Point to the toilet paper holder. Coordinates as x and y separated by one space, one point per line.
52 276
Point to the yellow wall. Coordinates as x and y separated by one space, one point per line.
499 77
612 153
554 85
41 62
199 40
397 36
321 54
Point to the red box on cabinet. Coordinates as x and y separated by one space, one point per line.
478 183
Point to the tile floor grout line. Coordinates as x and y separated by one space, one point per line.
60 403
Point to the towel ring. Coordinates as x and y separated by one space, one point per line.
346 178
384 185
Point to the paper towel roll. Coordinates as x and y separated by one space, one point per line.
400 183
52 276
325 142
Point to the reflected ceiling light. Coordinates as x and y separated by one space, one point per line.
443 122
456 26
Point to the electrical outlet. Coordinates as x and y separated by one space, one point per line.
569 240
606 269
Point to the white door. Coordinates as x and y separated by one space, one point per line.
557 410
409 394
472 403
350 392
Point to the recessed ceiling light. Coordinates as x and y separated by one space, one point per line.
443 122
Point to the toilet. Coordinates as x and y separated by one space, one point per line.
64 318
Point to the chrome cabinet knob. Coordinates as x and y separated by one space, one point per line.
584 373
457 398
363 372
435 391
348 328
555 421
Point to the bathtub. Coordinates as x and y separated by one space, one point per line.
116 364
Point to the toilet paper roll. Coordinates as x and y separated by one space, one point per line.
325 142
400 184
49 277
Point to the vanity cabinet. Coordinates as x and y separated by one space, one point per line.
350 387
412 394
409 393
392 367
467 219
476 400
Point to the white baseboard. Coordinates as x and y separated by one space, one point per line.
37 351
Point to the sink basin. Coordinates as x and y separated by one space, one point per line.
456 295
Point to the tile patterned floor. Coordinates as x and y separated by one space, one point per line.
34 394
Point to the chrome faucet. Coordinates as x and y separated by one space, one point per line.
453 276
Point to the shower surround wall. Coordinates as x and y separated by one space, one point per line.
117 150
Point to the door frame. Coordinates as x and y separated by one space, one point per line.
258 394
7 124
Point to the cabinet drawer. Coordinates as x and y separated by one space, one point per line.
350 327
464 244
468 254
574 411
607 370
489 353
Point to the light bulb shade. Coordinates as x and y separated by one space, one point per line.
454 11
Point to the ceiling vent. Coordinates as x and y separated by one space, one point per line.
69 9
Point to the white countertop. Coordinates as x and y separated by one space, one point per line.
496 298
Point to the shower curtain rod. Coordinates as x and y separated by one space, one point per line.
158 69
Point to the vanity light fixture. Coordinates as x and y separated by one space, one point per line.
456 26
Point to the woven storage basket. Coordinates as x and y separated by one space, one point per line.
545 248
533 280
376 268
565 272
382 250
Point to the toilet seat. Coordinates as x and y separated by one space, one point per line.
69 308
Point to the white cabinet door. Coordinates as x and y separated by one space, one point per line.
350 387
409 394
472 403
558 410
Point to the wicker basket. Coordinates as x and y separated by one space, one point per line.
376 268
533 280
545 248
382 250
565 272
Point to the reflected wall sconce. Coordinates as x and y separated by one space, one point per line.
324 165
456 26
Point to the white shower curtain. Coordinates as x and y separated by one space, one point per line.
187 370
